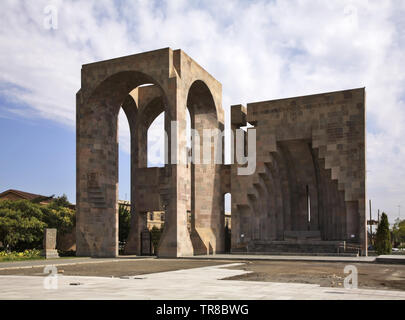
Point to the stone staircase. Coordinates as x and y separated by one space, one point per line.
293 242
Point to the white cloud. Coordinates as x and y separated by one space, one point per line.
258 50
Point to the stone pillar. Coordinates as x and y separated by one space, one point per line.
176 240
97 177
49 251
138 225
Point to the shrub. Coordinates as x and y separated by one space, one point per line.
156 234
61 218
398 232
15 256
22 223
383 240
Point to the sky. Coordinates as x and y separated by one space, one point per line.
258 50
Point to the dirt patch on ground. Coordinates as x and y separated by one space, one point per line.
326 274
118 268
370 276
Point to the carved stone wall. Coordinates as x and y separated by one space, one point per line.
310 173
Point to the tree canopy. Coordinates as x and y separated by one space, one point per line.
124 216
22 222
398 231
383 239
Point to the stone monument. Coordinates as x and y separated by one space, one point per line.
306 193
49 250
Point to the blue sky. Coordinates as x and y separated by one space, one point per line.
258 50
37 156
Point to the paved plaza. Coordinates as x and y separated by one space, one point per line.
185 284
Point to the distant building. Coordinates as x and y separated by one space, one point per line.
15 195
154 218
228 220
126 204
157 218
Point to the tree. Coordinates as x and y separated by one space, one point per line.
61 218
398 232
124 222
156 234
21 225
61 202
22 222
383 239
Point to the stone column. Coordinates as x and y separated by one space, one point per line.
176 240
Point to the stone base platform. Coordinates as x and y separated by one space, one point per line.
301 254
50 254
300 247
391 259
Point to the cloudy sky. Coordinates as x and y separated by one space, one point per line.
258 50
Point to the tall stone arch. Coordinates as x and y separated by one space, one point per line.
207 228
105 88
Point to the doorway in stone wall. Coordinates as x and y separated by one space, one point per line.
146 243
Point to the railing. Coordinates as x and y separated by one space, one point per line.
351 248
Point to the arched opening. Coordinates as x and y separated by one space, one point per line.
156 158
152 153
124 180
227 221
102 184
156 142
208 225
190 212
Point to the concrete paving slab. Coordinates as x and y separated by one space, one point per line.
199 283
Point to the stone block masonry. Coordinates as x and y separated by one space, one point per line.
309 182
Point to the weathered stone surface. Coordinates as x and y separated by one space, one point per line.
178 83
49 244
309 183
50 239
310 173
